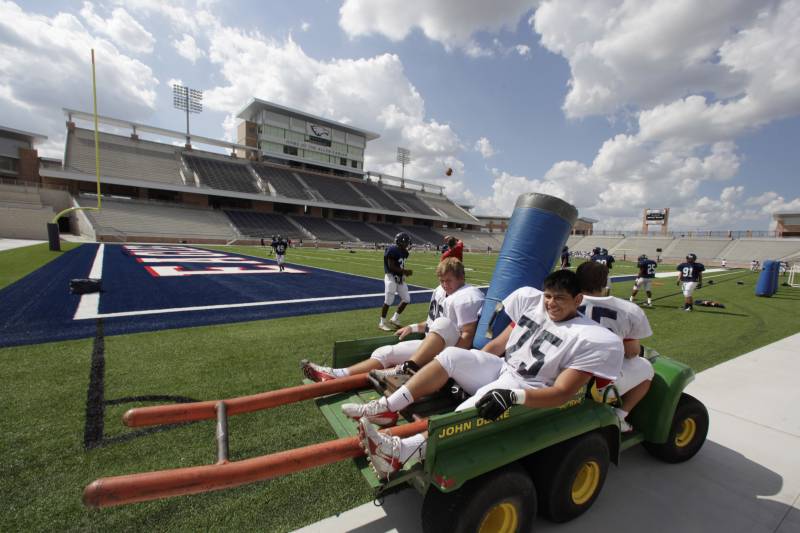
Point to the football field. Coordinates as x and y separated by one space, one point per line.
64 399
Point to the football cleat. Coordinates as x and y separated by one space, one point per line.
396 324
385 326
387 372
383 451
375 411
316 372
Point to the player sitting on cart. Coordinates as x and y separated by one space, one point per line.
452 320
542 359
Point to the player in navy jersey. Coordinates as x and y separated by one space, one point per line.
394 280
565 258
647 271
690 276
280 251
601 255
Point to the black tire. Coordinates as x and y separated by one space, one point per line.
502 500
687 433
569 476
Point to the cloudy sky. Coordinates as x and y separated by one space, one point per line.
613 105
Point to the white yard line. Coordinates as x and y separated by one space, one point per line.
235 306
89 306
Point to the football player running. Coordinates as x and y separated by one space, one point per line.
629 322
394 280
280 251
452 320
690 276
647 271
542 359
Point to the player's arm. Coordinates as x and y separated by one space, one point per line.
411 328
567 384
467 335
497 346
632 348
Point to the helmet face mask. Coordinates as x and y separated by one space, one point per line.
402 239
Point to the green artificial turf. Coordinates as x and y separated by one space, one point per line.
45 465
19 262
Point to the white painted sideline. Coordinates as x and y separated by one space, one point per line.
745 479
90 303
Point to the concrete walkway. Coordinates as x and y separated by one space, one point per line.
10 244
746 479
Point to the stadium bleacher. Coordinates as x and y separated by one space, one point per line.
262 225
448 208
603 241
122 157
704 248
336 191
219 174
148 218
411 202
744 250
363 231
423 234
282 180
632 247
378 195
321 229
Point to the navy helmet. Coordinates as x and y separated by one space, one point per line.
691 258
642 257
603 251
402 239
596 250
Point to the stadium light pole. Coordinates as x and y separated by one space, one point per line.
404 158
189 100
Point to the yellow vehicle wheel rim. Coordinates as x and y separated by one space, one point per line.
686 434
502 518
586 482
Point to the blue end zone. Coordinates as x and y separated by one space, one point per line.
145 293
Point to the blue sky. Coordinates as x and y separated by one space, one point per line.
612 105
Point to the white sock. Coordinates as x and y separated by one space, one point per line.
395 317
383 320
340 372
648 301
631 298
620 413
413 445
400 399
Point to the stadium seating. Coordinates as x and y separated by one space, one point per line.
363 231
632 247
411 203
377 195
321 229
448 208
219 174
122 157
146 218
704 248
423 234
334 190
282 180
587 243
263 225
745 250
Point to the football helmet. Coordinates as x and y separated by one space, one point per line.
596 250
603 251
642 257
691 258
402 239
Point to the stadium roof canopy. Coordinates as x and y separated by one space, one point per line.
21 135
255 105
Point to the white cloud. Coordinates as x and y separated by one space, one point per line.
121 28
58 46
389 104
453 23
305 26
523 49
188 49
484 147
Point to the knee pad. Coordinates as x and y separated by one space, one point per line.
382 354
445 359
446 329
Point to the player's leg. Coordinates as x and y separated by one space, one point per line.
688 291
405 298
633 383
390 288
635 289
382 357
648 283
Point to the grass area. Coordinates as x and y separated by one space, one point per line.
19 262
46 467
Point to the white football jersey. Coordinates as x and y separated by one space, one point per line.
623 317
462 307
539 349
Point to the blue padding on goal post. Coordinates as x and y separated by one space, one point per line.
539 227
764 286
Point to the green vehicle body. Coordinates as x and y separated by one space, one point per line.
462 446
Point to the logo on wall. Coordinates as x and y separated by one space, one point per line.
655 216
315 130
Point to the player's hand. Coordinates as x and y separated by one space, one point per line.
678 284
494 403
402 332
407 272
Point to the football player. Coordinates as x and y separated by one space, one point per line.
600 255
565 258
455 248
690 275
542 359
630 324
394 280
280 251
647 271
452 320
